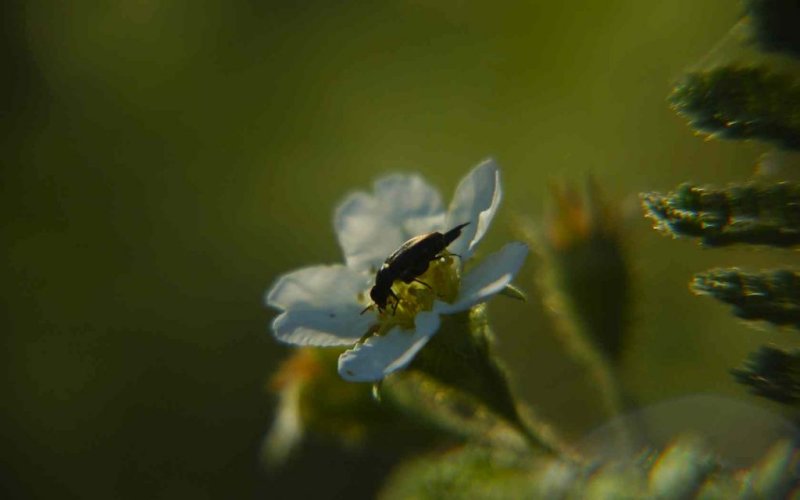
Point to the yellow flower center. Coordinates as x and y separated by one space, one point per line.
443 279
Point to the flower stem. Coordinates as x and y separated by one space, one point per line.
460 356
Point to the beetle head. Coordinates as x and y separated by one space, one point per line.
383 288
379 296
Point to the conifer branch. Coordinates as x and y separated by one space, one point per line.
741 103
751 213
772 373
772 296
774 24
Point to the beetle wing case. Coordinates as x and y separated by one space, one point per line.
409 262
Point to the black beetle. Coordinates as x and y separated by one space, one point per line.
408 262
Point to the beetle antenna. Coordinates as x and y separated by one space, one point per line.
366 309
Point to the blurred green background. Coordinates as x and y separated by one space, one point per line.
164 161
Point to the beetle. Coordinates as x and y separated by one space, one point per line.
409 262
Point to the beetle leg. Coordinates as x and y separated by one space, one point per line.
396 300
446 253
423 283
369 333
412 272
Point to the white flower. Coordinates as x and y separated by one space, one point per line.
321 305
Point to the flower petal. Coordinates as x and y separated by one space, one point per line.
334 327
317 286
488 278
475 201
370 227
412 203
320 305
366 234
381 355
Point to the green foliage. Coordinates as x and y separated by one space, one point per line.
469 472
772 296
588 286
680 470
776 475
588 269
774 24
432 404
314 400
772 373
686 469
460 357
752 213
741 103
456 385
